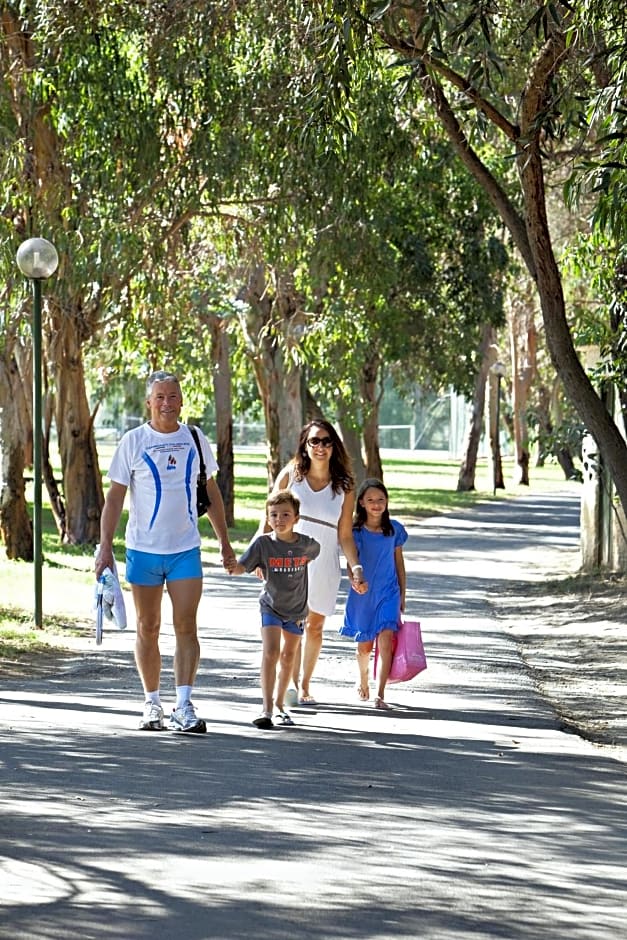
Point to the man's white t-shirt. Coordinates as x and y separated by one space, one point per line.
161 471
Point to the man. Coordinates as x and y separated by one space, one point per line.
159 462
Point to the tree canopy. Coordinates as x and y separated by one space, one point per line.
329 184
520 80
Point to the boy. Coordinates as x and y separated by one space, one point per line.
282 556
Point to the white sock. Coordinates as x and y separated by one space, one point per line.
183 695
153 697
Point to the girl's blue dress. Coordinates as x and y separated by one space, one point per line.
379 609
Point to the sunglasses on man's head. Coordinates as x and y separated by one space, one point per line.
320 442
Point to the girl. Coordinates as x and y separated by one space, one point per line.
374 617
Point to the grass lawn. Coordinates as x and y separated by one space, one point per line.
418 487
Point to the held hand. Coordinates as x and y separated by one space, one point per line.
228 558
259 573
357 580
360 586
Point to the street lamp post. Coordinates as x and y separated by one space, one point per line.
37 259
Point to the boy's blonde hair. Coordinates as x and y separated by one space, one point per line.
281 497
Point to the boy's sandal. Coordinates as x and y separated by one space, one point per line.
379 703
282 718
264 721
364 694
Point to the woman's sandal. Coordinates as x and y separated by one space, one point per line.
379 703
363 694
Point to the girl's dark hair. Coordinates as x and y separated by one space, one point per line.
339 464
359 519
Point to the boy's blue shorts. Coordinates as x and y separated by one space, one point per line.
150 570
290 626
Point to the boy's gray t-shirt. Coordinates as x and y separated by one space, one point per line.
284 566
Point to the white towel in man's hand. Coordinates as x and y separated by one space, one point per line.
113 606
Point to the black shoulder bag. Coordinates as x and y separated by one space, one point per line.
202 499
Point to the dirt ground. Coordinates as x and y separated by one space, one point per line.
572 635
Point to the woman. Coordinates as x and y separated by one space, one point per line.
320 476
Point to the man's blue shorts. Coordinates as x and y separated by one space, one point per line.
290 626
149 570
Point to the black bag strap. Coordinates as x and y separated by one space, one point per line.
197 440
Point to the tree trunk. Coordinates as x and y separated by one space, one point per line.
22 391
467 471
221 373
351 439
371 398
312 408
271 324
577 385
82 483
548 417
16 527
274 379
545 425
290 410
57 503
618 324
493 428
523 342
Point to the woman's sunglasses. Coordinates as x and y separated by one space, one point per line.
320 442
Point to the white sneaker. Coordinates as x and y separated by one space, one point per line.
152 719
185 719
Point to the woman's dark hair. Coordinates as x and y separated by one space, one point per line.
359 519
339 463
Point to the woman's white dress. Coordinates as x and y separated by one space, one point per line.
319 515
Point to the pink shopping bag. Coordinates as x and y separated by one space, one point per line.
408 657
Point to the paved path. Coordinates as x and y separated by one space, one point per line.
465 813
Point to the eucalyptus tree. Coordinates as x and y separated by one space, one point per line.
367 255
418 273
600 174
273 216
180 117
115 119
196 312
57 79
522 70
602 24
